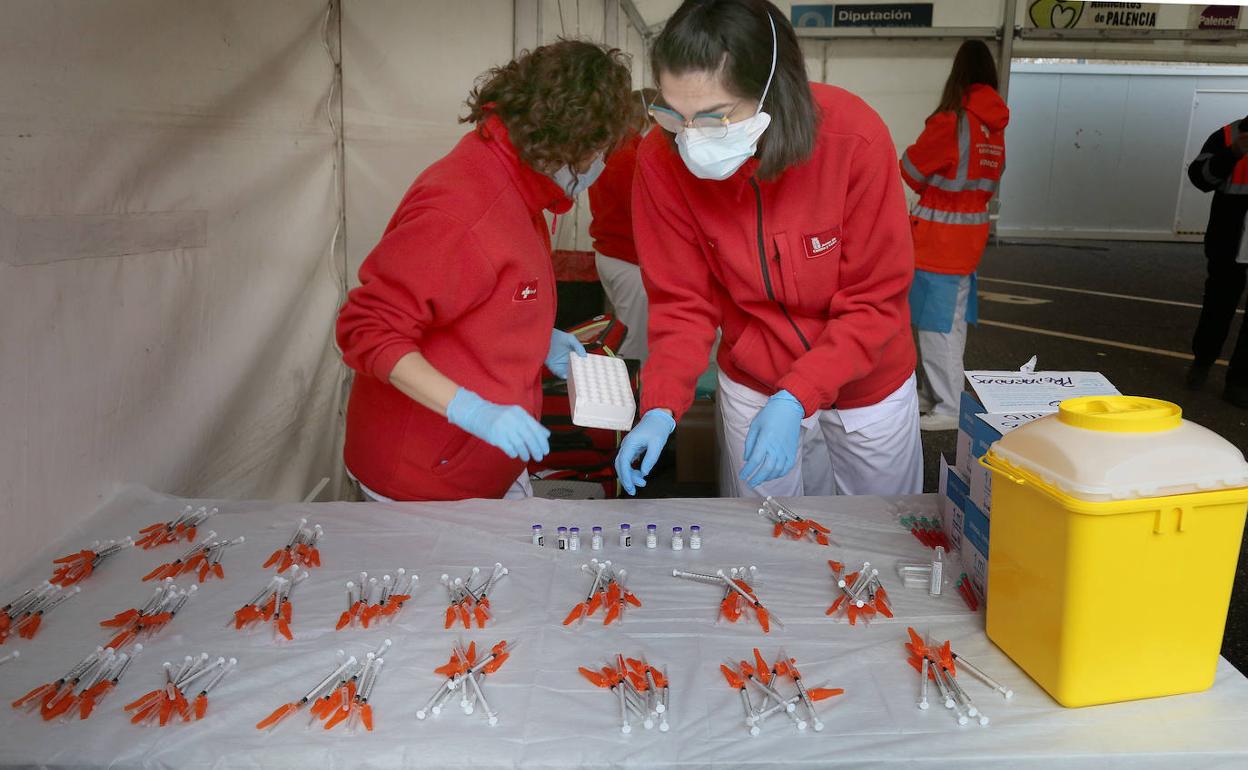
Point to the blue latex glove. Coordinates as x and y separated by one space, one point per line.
509 428
562 345
772 443
647 436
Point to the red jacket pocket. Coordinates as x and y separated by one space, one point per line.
810 273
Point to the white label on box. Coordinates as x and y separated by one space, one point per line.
981 487
976 565
1001 392
963 459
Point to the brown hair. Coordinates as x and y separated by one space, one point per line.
972 65
733 38
561 103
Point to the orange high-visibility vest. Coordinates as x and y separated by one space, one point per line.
955 166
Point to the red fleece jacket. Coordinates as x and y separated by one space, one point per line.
462 274
807 274
610 203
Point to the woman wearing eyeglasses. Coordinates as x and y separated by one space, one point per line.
771 208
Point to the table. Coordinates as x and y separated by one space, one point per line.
550 716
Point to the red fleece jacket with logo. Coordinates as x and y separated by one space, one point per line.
462 274
807 274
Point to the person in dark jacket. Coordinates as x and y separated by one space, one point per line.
1222 168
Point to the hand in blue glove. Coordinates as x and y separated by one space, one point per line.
562 345
509 428
772 443
647 436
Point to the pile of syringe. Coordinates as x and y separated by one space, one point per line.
938 663
859 595
203 559
272 604
607 592
349 702
642 691
300 551
786 522
351 678
77 567
765 679
24 615
465 602
81 688
466 673
374 600
738 594
926 531
162 705
163 606
181 528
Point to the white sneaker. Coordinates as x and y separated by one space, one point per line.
938 422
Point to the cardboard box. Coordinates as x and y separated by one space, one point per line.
967 409
1001 402
988 428
697 450
567 489
953 500
975 547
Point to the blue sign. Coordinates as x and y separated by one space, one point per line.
812 15
885 15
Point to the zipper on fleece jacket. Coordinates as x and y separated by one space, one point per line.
762 263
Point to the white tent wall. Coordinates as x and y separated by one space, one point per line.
167 201
587 19
407 68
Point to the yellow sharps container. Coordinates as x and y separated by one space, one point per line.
1115 530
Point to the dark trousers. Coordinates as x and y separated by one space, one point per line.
1223 288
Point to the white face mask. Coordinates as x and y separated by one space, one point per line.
712 153
573 183
720 155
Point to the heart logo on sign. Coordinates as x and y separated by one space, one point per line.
1064 17
1055 14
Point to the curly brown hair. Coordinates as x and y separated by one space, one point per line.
562 103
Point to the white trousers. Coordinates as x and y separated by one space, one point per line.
519 489
870 450
940 359
622 282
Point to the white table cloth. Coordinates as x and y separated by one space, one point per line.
550 716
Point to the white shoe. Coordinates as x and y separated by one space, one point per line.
938 422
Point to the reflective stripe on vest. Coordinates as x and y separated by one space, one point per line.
961 182
1237 184
951 217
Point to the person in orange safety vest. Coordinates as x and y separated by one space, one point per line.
955 167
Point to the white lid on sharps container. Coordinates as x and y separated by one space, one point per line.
1107 448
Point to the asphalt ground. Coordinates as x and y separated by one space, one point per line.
1125 309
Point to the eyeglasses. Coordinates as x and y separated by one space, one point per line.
714 123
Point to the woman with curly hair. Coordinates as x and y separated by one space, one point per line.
453 319
770 208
